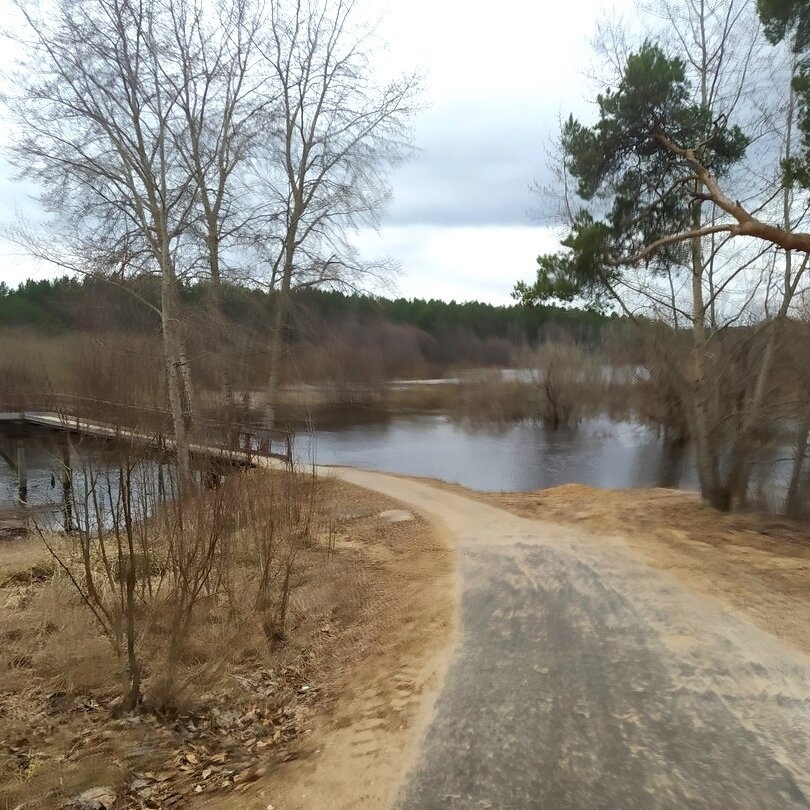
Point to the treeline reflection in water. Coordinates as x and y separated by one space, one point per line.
522 457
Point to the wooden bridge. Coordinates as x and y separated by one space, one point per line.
215 447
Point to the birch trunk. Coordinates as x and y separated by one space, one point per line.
218 310
277 336
174 359
708 464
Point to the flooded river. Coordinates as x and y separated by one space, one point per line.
516 457
520 457
92 461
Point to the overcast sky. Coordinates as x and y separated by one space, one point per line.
497 79
463 223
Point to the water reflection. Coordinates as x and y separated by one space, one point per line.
522 457
94 490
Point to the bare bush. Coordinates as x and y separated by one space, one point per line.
150 566
104 565
352 372
485 395
564 378
659 397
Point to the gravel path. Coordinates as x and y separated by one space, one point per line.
584 678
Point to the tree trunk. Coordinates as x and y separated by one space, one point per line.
708 465
793 505
185 377
741 466
277 336
276 347
133 695
218 311
174 358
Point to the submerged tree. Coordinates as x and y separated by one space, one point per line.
789 21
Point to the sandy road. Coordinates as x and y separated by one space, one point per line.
584 678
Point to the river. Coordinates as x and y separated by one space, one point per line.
516 457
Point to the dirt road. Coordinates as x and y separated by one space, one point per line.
585 678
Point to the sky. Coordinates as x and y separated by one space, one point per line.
463 223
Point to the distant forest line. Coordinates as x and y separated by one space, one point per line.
67 304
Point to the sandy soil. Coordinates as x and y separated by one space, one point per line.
587 677
381 679
385 736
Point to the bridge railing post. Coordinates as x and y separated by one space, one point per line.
22 472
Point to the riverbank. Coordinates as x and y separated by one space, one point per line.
585 676
712 566
369 646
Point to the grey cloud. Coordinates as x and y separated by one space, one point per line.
475 166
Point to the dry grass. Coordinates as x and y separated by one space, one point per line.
441 397
80 370
245 701
23 560
384 620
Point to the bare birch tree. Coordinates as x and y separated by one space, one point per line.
223 94
109 90
332 134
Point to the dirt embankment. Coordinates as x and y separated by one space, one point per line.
759 565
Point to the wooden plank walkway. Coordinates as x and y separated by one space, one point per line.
254 446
